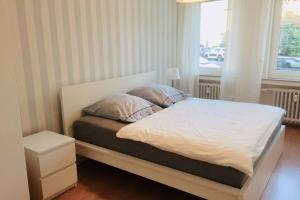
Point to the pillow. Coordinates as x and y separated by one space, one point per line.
124 107
161 95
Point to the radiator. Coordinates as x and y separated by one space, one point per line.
288 99
209 90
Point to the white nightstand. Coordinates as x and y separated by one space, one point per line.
51 164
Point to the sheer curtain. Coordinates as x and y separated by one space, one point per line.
249 25
188 44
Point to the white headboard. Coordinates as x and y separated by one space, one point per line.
75 97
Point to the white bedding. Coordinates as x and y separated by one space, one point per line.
218 132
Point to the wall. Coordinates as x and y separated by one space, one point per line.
13 182
63 42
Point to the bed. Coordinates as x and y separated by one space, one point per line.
220 183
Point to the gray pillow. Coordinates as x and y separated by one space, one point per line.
122 107
161 95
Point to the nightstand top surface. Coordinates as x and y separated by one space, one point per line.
45 141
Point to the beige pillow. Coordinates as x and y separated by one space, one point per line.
161 95
124 107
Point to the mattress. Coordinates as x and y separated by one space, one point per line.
102 132
225 133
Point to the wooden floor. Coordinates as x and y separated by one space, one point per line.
101 182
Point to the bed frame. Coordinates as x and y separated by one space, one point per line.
76 97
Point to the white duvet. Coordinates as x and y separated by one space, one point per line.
218 132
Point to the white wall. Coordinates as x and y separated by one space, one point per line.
13 177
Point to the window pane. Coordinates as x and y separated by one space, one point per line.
289 48
212 33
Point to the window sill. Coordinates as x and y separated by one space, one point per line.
270 81
281 82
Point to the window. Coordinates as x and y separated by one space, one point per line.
287 51
212 36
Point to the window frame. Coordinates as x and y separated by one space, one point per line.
270 71
273 73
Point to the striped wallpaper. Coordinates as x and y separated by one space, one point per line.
63 42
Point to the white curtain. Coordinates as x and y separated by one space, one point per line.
249 25
188 45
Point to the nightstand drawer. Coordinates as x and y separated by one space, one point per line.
57 159
59 182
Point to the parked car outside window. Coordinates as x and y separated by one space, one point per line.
288 63
215 54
